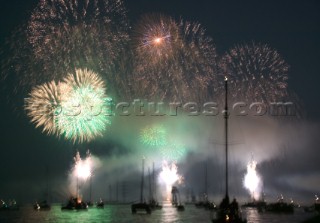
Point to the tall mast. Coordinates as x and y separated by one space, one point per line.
110 192
206 181
226 116
117 191
141 186
150 185
77 187
47 184
154 192
90 191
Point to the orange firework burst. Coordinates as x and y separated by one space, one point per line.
173 59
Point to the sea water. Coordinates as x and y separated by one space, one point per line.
122 214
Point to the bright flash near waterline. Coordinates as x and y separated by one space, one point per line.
252 180
82 168
169 176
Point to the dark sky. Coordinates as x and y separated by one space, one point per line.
290 27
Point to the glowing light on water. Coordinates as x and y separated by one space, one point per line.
252 180
169 176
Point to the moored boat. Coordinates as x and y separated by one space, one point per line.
100 204
142 206
42 206
11 206
75 204
280 206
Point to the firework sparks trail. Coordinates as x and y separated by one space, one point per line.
252 180
169 176
82 168
81 171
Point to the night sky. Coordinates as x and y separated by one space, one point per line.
290 27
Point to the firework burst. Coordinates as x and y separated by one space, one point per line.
43 106
173 152
156 38
77 108
154 136
65 34
86 107
18 65
255 72
173 60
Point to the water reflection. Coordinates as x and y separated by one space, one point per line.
122 214
253 216
169 213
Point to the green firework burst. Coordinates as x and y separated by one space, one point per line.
76 108
85 108
173 152
154 136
